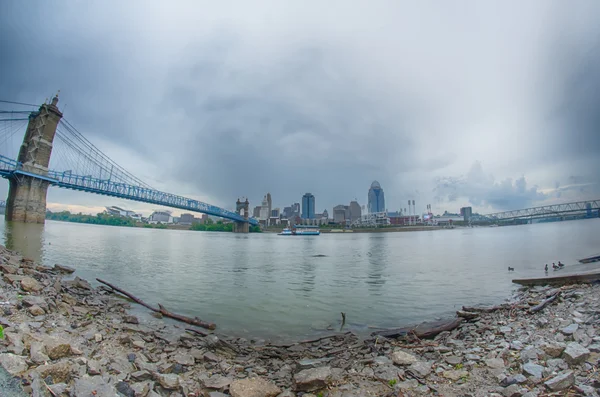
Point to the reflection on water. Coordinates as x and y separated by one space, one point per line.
268 285
26 238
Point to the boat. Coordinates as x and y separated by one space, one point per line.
590 259
575 278
286 232
306 230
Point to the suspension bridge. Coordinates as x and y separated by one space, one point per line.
589 208
75 164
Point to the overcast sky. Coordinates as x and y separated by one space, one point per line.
489 104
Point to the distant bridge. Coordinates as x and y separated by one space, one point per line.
590 208
83 168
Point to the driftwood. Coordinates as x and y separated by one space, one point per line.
422 331
467 315
476 309
544 303
161 309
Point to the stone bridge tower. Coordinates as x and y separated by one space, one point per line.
27 195
241 207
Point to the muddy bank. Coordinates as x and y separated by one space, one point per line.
66 338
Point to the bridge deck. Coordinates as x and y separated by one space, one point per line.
11 169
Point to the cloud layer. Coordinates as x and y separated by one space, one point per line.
228 100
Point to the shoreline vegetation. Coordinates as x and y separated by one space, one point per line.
112 220
63 336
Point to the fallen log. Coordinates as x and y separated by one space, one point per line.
544 303
425 330
161 309
467 315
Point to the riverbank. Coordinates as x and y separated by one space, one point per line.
63 337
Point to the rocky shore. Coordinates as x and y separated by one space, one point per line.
63 337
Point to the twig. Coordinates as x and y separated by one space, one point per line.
49 389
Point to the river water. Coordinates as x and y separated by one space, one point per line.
264 285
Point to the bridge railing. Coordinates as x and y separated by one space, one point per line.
121 190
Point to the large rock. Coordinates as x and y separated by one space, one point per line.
495 363
37 353
56 347
455 375
534 370
312 379
35 310
575 353
169 381
254 387
570 329
400 357
61 371
563 381
12 363
553 349
184 359
63 269
421 368
92 386
31 285
217 382
530 353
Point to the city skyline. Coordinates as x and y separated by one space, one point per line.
226 107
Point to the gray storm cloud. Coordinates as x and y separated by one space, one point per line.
228 100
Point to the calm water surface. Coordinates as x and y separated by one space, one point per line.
264 285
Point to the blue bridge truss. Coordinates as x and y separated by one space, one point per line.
10 168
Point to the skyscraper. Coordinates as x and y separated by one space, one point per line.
354 211
376 198
269 202
308 206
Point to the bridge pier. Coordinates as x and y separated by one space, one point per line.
27 195
241 207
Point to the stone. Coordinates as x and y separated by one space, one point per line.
37 353
169 381
595 348
13 364
32 300
93 368
98 337
312 379
36 310
141 389
455 375
92 386
421 368
516 345
184 359
30 284
575 353
6 268
56 348
210 356
505 330
380 360
253 387
385 373
562 381
513 380
140 344
131 319
570 329
407 384
141 375
217 382
125 389
400 357
512 391
530 353
63 269
312 363
453 360
553 349
58 388
495 363
60 371
534 370
286 393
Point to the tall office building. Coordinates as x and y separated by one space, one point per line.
376 198
308 206
269 202
355 211
296 209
